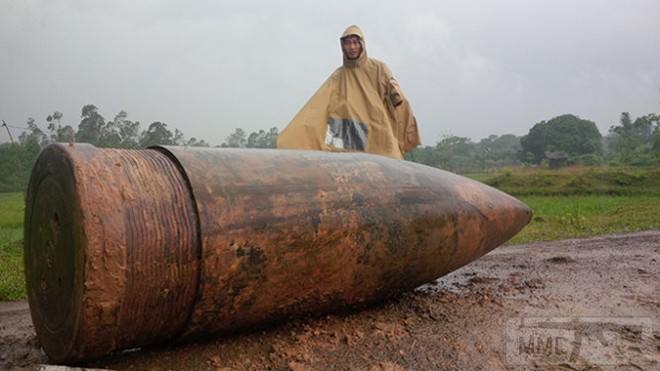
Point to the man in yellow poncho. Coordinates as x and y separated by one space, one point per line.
359 108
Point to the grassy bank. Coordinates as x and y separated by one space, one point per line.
582 201
577 180
567 203
561 217
12 285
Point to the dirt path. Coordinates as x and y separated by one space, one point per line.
571 304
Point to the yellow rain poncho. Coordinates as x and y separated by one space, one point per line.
359 108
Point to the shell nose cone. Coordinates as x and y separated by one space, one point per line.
501 216
514 215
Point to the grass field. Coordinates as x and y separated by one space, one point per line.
582 201
560 217
567 203
12 285
575 181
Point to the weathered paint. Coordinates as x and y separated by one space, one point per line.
173 242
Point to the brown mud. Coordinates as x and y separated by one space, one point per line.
461 321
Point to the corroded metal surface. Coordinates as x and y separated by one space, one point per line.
120 227
171 242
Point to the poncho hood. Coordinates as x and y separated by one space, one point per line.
354 31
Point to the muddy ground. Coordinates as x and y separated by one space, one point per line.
574 304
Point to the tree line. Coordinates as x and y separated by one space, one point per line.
628 142
16 159
121 132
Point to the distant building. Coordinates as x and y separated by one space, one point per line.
557 159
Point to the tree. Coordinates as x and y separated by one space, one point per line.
178 139
262 139
456 154
634 142
655 147
120 132
566 133
460 154
65 134
193 142
91 125
424 155
156 134
497 151
110 132
34 135
237 139
270 140
129 131
55 127
16 160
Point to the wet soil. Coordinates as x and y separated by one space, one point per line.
601 293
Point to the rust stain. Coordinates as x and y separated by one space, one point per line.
169 243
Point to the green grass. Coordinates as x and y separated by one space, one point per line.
582 201
11 210
12 283
560 217
576 180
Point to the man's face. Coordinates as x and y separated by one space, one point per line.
352 47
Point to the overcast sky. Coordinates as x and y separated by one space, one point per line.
469 68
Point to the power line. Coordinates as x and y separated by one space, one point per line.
13 127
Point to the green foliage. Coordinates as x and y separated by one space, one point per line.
12 282
635 142
16 160
59 133
590 159
263 139
566 133
461 155
91 125
237 139
455 153
257 139
495 152
156 134
579 138
194 142
120 132
34 136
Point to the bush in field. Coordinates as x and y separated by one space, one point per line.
589 160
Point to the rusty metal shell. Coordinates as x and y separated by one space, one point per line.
126 248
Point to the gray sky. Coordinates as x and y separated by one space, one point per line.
469 68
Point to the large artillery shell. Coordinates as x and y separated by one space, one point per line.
127 248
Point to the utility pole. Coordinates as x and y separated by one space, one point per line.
8 132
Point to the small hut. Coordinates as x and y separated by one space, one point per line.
557 159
